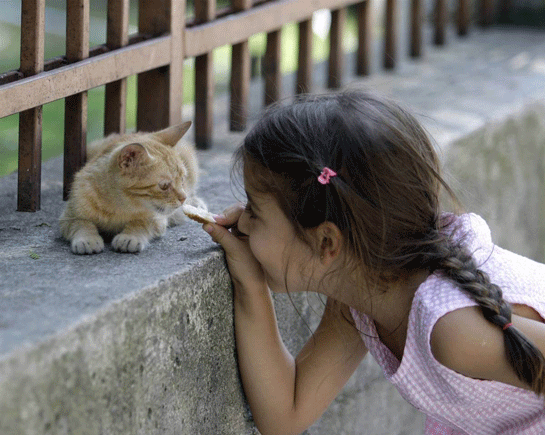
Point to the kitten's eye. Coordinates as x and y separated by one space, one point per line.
165 185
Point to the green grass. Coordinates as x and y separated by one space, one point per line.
53 113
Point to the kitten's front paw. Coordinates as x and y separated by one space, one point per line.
87 245
129 243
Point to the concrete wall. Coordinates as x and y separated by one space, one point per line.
162 361
499 171
159 361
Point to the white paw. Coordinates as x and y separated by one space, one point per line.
87 244
129 243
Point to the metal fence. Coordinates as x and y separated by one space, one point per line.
156 53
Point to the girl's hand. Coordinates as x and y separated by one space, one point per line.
243 266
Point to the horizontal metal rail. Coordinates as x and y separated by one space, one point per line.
62 82
239 26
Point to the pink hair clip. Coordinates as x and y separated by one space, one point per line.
326 175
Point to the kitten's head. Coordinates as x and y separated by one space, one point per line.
150 170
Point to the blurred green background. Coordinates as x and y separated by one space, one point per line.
53 113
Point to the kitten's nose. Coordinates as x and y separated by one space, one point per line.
181 196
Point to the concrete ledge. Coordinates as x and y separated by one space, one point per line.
157 361
162 360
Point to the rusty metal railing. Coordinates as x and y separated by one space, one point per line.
156 54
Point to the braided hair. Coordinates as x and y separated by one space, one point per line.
384 197
459 266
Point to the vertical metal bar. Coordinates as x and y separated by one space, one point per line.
30 121
240 86
363 61
30 160
416 28
176 88
240 77
487 12
32 36
152 86
440 22
304 70
204 100
271 68
463 17
390 46
205 10
160 90
336 52
115 118
75 112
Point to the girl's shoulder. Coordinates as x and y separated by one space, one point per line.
465 342
462 340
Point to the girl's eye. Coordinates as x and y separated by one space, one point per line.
248 209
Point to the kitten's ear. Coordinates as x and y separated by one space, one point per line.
131 156
171 135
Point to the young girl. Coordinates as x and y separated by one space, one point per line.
343 199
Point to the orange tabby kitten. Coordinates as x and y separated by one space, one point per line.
132 185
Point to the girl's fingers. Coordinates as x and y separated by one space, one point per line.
230 216
235 246
223 236
225 231
243 266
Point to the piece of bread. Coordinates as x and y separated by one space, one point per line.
198 214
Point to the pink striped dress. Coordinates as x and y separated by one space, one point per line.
455 404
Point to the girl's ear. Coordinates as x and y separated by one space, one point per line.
330 241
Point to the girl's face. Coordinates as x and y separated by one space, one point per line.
288 262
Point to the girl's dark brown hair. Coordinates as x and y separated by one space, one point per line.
384 199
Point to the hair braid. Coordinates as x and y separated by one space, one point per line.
527 361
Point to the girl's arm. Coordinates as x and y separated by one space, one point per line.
464 341
286 395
